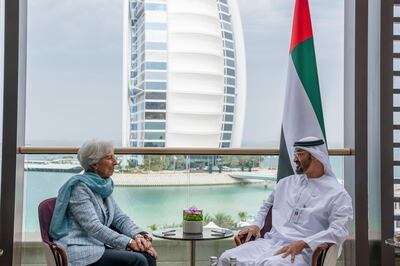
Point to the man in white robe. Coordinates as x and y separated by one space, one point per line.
308 209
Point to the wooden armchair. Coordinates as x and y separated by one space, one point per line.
323 255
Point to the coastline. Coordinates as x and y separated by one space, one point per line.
180 179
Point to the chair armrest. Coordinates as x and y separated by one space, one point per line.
319 253
241 240
59 254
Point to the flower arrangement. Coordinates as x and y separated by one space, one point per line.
192 221
192 214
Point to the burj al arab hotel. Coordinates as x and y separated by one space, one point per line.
185 78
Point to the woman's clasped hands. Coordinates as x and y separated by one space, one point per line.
140 243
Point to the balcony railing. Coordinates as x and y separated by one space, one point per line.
176 151
159 182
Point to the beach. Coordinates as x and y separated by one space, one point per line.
183 178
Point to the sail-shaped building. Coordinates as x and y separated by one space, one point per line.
185 78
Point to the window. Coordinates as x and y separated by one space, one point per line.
156 75
229 109
225 145
156 95
154 135
155 85
229 53
229 44
133 143
156 65
155 6
154 144
230 72
225 17
155 26
224 8
226 26
230 81
230 62
230 90
230 99
83 72
155 46
226 136
228 35
155 105
229 118
227 127
155 125
155 116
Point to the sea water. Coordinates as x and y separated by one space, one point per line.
159 206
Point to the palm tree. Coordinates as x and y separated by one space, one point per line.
224 220
207 219
153 227
242 216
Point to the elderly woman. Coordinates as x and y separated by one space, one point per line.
88 223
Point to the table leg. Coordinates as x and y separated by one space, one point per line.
192 253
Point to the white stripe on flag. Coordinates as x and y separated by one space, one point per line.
299 118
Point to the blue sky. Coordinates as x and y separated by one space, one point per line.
74 69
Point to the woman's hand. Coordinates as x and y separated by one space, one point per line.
152 251
133 245
148 237
142 243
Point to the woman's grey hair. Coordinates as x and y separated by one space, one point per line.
92 151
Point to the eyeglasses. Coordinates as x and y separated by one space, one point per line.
110 157
298 153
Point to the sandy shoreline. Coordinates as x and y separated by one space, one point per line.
178 179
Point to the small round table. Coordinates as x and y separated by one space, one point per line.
208 234
392 242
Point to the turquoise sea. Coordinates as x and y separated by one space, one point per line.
157 205
151 205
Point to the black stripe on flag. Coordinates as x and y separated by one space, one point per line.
284 165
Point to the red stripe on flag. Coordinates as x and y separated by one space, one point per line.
301 29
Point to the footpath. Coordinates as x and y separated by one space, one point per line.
179 179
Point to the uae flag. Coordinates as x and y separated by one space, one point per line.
302 114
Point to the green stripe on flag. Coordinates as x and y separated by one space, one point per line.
303 57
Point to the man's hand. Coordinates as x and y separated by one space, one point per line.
250 231
292 249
